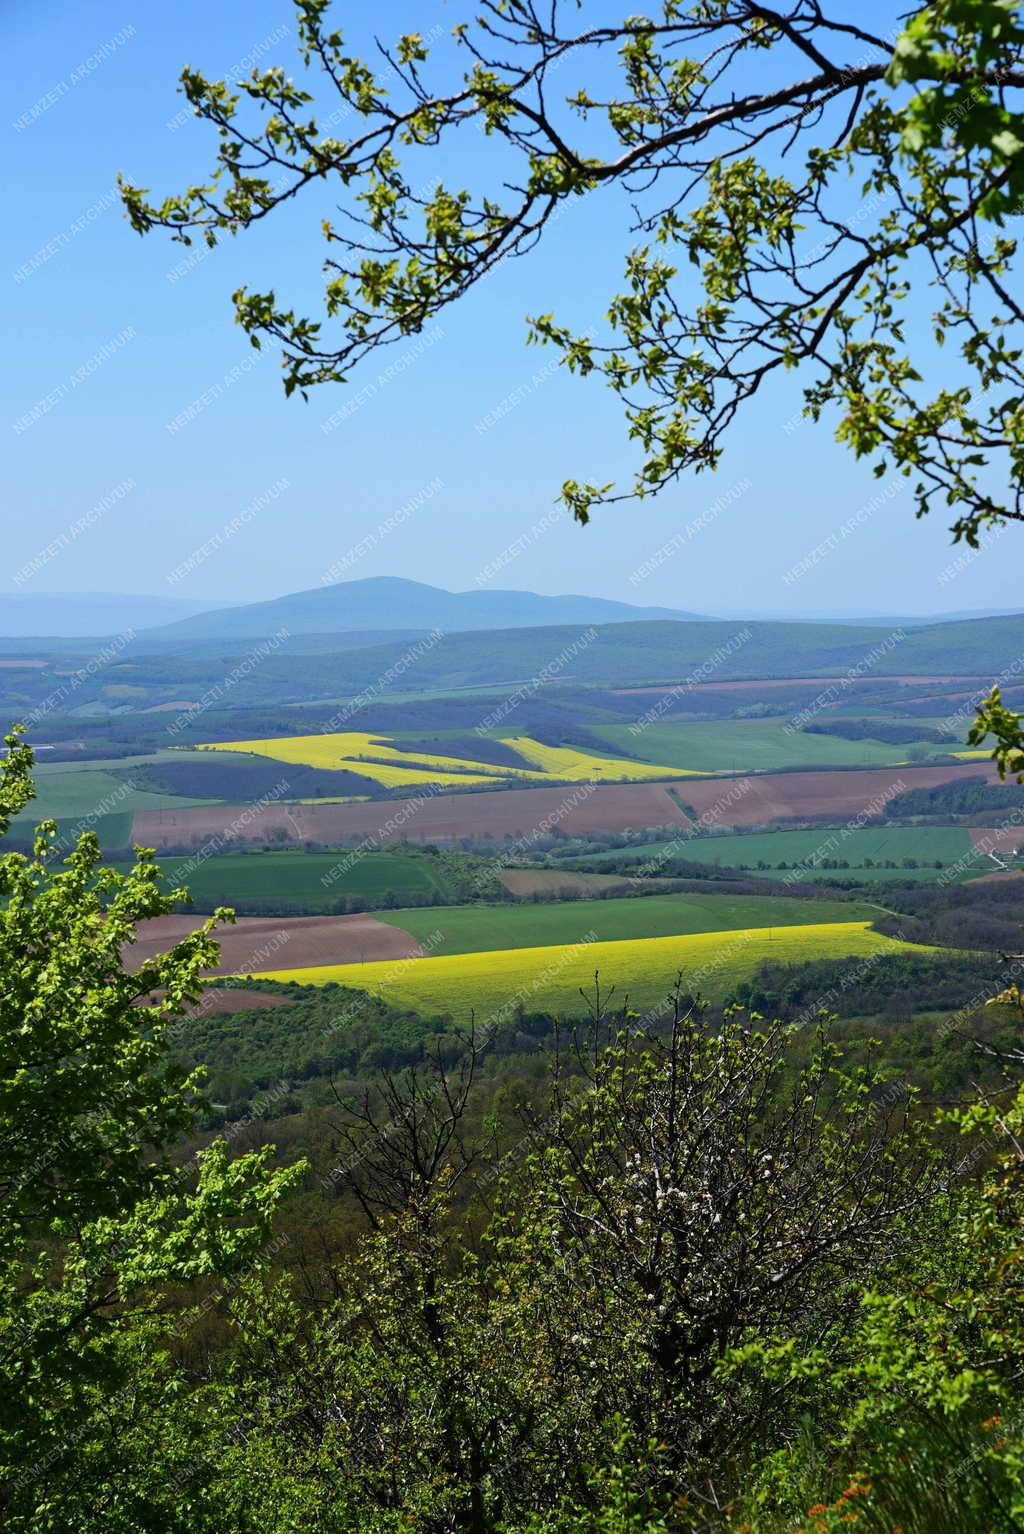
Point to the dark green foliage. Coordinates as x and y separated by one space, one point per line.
886 987
972 915
325 1031
540 1320
241 781
880 729
967 796
98 1222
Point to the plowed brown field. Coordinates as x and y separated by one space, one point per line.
235 999
997 838
255 943
782 796
515 812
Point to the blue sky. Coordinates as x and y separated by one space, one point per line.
141 428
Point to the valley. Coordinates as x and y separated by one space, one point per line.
442 839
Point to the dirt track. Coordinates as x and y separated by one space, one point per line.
256 943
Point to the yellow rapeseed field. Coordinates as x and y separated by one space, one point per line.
371 756
494 983
346 748
574 766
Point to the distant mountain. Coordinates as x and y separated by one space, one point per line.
354 614
66 615
386 602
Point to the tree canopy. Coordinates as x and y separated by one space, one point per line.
99 1223
794 171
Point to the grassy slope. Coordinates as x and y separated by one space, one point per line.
299 876
947 843
86 791
478 928
44 768
492 985
749 745
526 882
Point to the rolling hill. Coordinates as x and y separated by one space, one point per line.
518 663
698 650
386 602
704 650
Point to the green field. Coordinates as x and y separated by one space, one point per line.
480 928
492 985
46 769
92 795
749 745
301 876
800 853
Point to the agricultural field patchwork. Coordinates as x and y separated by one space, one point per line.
523 815
520 815
492 985
266 940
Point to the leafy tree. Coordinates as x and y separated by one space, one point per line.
96 1218
918 1413
1006 729
795 174
562 1351
698 1190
